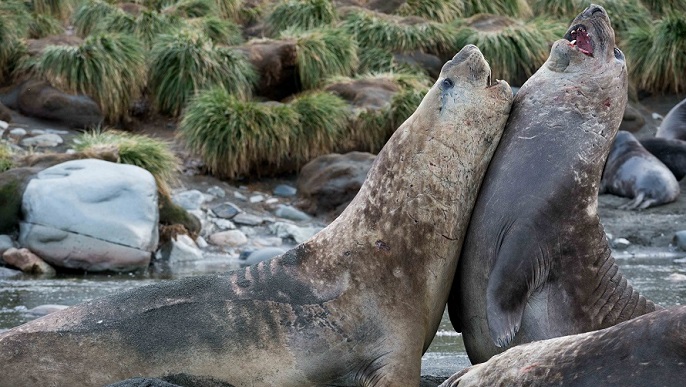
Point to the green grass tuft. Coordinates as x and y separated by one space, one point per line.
59 9
11 46
234 137
92 13
322 53
147 26
110 68
41 26
184 63
398 34
514 50
301 15
219 31
6 157
663 7
151 154
191 8
514 8
437 10
655 55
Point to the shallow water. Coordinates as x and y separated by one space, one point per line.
656 278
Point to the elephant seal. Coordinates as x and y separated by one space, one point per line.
671 152
649 350
357 304
633 172
536 263
674 124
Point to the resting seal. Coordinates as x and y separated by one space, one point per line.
357 304
671 152
633 172
536 263
674 124
649 350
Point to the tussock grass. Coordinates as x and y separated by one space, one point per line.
90 14
219 31
300 14
514 8
110 68
6 157
663 7
229 9
656 57
147 26
515 50
11 32
184 63
191 8
59 9
151 154
41 26
234 136
322 53
437 10
404 104
323 121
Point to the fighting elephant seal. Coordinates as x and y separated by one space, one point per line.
536 263
671 152
674 124
355 305
633 172
649 350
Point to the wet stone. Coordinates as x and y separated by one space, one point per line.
291 213
216 191
47 140
226 210
256 198
284 191
680 239
247 219
189 200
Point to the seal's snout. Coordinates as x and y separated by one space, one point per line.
593 9
466 52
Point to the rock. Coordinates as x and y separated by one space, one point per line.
144 382
329 181
620 243
181 249
18 132
6 272
276 63
47 140
256 199
247 219
239 196
676 277
216 191
201 242
226 210
657 116
680 240
633 120
189 200
267 242
232 238
92 215
39 99
5 116
372 94
6 243
430 63
291 231
43 310
223 224
4 125
291 213
284 191
26 261
271 201
257 256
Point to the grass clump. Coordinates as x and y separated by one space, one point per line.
514 8
11 45
92 13
300 14
323 121
151 154
146 26
191 8
656 55
322 53
438 10
234 137
41 26
110 68
663 7
6 157
398 34
219 31
184 63
515 50
59 9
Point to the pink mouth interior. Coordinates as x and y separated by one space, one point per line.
582 41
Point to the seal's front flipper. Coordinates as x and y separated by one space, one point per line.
520 266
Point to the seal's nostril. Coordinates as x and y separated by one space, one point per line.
596 10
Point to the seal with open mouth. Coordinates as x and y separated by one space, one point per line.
536 263
356 305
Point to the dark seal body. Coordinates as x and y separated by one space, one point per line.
649 350
356 305
536 263
674 124
633 172
671 152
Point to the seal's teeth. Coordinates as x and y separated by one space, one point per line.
573 42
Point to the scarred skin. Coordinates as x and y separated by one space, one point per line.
633 172
649 350
357 304
536 263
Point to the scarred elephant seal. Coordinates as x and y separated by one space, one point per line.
355 305
536 263
649 350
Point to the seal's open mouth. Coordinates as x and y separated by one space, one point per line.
579 38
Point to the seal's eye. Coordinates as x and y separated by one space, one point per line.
618 54
447 83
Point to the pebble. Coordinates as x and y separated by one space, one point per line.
182 249
256 198
201 242
272 201
621 243
246 219
216 191
291 231
676 277
291 213
6 243
189 200
4 125
680 240
6 272
239 196
226 210
657 116
284 191
233 238
27 261
223 224
36 132
17 132
47 140
267 242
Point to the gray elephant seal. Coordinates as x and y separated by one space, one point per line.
674 124
357 304
649 350
633 172
536 263
671 152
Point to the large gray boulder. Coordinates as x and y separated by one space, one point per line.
92 215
